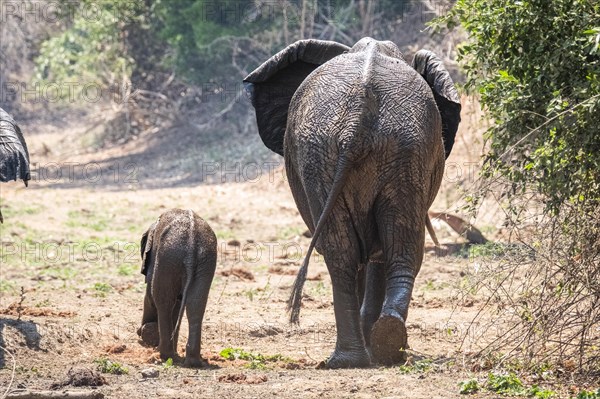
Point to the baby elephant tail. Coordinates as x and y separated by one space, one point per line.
188 263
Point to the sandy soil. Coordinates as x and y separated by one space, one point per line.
71 243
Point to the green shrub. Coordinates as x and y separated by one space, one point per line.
469 386
505 384
108 366
536 66
588 394
256 360
91 51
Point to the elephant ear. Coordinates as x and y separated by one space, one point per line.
146 246
14 156
272 85
432 69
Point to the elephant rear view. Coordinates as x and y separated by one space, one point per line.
179 257
364 136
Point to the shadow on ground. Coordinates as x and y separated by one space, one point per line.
176 157
29 331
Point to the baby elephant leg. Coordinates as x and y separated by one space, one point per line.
148 331
196 305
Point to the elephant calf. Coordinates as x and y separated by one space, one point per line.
179 257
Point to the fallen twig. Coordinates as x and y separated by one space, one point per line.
12 377
25 394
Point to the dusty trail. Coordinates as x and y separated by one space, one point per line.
73 244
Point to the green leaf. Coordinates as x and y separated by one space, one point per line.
468 387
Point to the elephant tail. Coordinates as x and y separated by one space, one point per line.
295 300
188 263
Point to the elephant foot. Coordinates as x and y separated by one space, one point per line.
149 334
345 360
194 362
389 340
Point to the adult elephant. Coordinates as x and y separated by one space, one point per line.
364 136
14 157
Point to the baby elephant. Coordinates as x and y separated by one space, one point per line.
179 257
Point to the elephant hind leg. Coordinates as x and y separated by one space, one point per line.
148 330
340 250
165 330
403 252
195 308
150 314
166 287
372 300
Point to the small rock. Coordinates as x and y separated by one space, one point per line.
234 243
150 373
377 378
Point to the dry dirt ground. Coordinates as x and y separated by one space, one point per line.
70 242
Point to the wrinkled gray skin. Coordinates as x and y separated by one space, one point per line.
364 157
179 253
14 157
